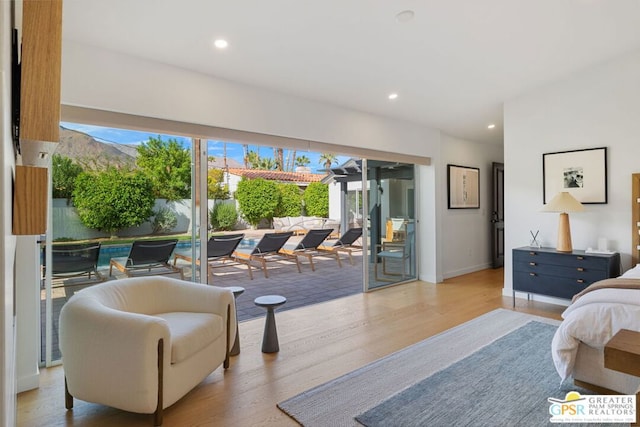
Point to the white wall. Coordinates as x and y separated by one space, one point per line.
466 246
27 318
598 107
7 249
96 78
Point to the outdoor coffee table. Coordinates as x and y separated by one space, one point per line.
270 337
237 291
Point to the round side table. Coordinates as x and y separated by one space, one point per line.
237 291
270 337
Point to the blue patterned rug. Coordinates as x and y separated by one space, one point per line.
506 383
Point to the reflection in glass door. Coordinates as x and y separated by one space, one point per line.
390 223
164 163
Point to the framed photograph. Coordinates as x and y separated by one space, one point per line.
463 184
583 173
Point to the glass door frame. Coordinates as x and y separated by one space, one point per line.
368 245
199 211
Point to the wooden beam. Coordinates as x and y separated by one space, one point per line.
635 218
30 200
41 64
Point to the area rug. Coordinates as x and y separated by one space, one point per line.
506 383
340 401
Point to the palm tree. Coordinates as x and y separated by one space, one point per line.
278 154
302 161
245 151
291 158
252 160
327 159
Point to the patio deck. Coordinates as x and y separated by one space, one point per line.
327 282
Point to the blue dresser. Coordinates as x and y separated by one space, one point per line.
546 271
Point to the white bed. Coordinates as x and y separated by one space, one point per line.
589 323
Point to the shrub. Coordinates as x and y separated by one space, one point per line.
316 199
290 202
224 216
258 199
216 188
63 176
168 166
164 221
111 200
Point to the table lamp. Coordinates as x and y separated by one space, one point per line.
563 202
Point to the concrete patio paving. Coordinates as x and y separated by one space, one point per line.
327 282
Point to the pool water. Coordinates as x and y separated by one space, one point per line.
116 251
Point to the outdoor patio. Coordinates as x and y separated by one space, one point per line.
327 282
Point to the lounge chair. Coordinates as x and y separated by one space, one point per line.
220 251
267 249
400 252
76 260
150 255
345 243
308 246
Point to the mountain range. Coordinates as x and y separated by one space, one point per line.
87 151
91 153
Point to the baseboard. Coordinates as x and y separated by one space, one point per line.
28 382
466 270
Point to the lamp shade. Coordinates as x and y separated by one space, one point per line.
563 202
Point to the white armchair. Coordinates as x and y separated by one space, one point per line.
140 344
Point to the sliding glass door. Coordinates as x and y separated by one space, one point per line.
133 187
390 223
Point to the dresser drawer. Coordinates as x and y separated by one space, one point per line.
585 273
560 287
570 260
548 272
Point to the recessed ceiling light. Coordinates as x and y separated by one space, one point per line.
491 126
221 44
393 96
405 16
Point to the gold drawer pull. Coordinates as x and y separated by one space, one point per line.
580 257
580 269
580 281
533 263
532 274
533 253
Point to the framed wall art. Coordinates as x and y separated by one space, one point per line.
463 185
583 173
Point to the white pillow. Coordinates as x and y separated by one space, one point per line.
633 273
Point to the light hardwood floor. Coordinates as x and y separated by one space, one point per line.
317 343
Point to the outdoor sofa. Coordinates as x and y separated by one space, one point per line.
302 224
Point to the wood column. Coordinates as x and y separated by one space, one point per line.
41 69
41 64
635 219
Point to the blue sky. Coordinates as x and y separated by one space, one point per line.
216 148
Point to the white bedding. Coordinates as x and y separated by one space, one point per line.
593 319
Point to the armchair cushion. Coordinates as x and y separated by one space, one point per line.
191 332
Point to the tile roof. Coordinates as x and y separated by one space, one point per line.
274 175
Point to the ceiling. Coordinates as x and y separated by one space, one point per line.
452 65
